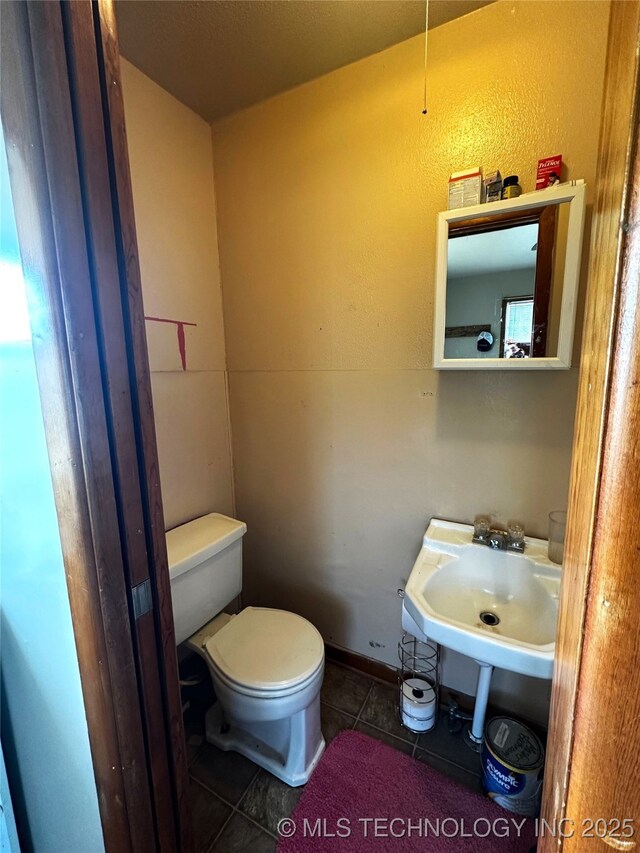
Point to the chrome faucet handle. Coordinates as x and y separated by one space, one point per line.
515 537
481 528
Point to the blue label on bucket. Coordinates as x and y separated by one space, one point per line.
498 779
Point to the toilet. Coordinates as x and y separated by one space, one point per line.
266 665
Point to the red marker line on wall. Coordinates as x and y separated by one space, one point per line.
180 324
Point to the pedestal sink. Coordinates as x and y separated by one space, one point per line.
498 607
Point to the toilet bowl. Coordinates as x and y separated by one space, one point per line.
266 665
267 668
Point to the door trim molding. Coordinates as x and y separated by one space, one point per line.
96 400
600 361
144 424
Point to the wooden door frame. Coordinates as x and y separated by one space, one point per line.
63 123
600 596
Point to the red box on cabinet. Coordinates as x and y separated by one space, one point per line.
549 172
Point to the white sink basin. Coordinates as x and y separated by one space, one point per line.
454 581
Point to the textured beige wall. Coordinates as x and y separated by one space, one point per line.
173 193
345 440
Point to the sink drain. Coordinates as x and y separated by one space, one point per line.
489 618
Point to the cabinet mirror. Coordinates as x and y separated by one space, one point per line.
506 282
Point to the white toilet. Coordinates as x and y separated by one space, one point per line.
266 665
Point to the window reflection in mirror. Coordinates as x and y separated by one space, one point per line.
504 284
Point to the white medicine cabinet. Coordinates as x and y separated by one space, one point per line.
507 280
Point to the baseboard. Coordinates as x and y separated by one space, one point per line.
361 663
385 672
389 674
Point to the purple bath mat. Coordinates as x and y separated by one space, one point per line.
365 795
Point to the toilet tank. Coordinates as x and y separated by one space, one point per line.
205 566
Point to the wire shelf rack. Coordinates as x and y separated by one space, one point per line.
418 684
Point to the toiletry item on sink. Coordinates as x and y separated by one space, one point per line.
510 187
466 188
493 186
549 172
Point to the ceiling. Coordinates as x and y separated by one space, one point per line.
493 251
218 56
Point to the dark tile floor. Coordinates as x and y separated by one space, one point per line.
236 805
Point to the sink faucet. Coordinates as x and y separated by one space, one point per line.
499 540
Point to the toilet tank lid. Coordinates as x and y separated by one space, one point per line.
191 544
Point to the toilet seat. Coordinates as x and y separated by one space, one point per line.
266 653
266 695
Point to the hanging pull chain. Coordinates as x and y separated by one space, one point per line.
426 41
